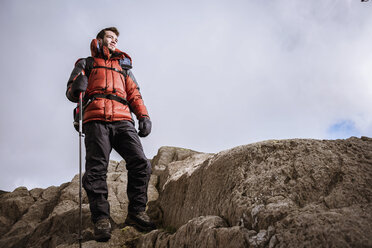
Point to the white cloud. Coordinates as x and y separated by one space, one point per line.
214 74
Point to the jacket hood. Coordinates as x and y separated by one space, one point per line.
104 52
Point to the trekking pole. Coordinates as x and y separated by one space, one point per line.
80 165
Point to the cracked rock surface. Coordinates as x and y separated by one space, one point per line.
49 217
276 193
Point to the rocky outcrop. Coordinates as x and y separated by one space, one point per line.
276 193
49 217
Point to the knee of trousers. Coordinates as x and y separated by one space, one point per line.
139 165
95 183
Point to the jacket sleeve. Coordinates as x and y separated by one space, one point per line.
134 97
79 68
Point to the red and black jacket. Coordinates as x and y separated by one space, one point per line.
108 78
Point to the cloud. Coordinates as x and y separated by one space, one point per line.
213 74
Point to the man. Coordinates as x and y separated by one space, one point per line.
111 93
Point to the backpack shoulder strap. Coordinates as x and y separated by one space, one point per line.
88 65
126 65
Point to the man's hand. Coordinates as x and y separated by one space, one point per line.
79 85
144 127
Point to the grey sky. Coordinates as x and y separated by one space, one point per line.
213 74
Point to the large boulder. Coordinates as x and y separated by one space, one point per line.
282 193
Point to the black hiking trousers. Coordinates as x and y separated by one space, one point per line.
100 138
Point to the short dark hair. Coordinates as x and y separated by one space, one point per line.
102 33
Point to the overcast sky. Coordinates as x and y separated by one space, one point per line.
213 74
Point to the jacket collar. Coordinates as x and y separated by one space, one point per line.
104 52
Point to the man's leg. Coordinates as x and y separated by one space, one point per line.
98 148
127 143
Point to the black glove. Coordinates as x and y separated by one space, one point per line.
79 85
144 127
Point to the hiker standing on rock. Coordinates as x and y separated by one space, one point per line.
111 93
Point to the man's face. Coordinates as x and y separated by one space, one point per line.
109 40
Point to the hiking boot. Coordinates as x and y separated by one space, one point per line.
140 220
102 230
